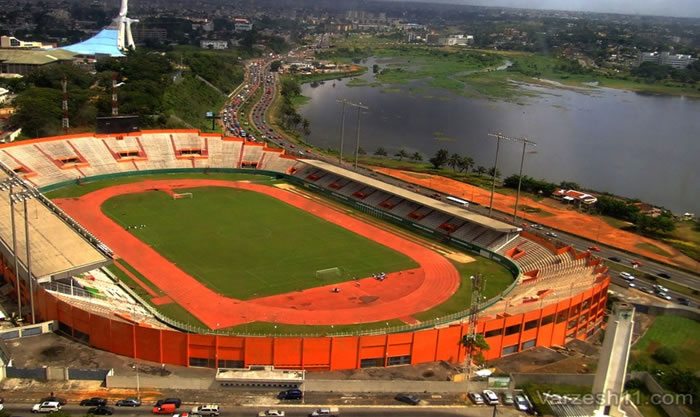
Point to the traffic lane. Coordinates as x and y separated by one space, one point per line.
298 411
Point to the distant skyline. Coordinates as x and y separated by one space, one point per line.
675 8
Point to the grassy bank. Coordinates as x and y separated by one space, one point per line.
190 98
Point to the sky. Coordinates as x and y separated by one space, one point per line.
679 8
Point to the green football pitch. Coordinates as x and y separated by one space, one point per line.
247 245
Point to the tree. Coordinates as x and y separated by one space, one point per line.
375 68
361 151
381 151
417 156
38 112
275 66
454 161
665 355
305 127
471 344
494 172
465 164
481 171
440 158
401 154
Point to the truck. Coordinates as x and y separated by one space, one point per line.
326 412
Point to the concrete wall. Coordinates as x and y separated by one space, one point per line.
159 382
557 379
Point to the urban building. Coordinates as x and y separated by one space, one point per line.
573 196
213 44
142 34
460 40
678 61
242 25
24 62
12 42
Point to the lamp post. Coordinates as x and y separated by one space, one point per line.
23 197
9 183
138 386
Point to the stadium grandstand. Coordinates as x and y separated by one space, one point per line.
558 294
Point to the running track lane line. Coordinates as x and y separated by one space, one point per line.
439 280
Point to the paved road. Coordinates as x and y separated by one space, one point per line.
261 76
25 409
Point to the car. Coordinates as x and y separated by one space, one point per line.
490 397
646 290
476 398
521 403
46 407
627 276
664 296
308 151
164 409
594 248
271 413
683 301
175 401
206 410
631 285
551 234
659 288
291 145
101 411
407 398
636 264
615 259
129 402
536 226
326 412
94 402
59 400
664 275
507 398
181 415
290 394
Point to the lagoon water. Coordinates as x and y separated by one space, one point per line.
633 145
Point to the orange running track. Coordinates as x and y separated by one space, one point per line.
367 300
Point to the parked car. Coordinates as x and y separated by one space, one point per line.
59 400
476 398
206 410
164 409
521 403
664 275
290 394
507 398
46 407
326 412
94 402
490 397
101 411
129 402
175 401
271 413
407 398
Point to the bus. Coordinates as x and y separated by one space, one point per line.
457 201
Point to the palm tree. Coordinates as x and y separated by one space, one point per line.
381 151
401 154
453 161
417 156
466 163
481 170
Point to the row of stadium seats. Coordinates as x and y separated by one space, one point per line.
50 161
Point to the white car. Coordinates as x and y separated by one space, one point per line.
521 403
206 410
325 412
46 407
476 398
490 397
627 276
271 413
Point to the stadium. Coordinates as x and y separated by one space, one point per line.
196 249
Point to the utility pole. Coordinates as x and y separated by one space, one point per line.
65 123
115 99
10 183
526 142
342 129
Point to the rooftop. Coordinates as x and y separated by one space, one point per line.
104 43
34 57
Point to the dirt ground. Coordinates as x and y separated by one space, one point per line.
558 216
432 371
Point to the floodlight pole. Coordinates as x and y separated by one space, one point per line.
11 182
360 107
342 130
29 263
525 143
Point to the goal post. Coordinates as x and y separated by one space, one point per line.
329 274
177 196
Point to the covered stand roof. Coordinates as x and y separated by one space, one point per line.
105 42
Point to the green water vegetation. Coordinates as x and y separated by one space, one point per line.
302 244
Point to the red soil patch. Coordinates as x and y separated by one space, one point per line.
400 295
570 221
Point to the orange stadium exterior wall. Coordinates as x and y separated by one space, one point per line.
567 320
